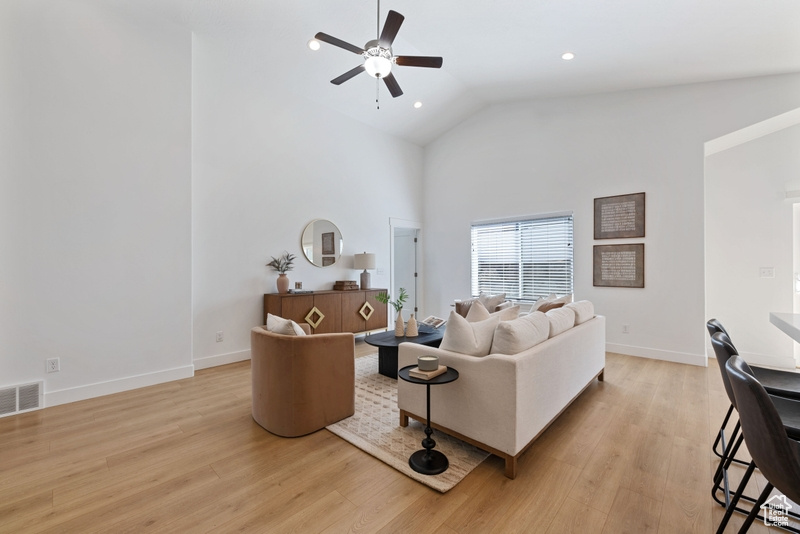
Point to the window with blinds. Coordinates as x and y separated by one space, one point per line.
525 259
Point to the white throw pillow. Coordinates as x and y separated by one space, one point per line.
584 310
561 320
474 339
287 327
513 337
478 312
490 302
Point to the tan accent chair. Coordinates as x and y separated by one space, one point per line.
301 383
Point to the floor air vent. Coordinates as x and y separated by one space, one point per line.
21 398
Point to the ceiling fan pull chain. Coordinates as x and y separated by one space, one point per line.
378 92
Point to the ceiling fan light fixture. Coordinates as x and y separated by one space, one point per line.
417 104
377 62
313 44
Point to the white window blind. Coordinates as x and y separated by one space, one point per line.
525 259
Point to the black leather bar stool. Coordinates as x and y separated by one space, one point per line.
788 411
779 383
775 454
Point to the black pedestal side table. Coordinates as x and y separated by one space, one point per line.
428 461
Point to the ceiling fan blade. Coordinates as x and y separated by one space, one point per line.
390 28
324 37
392 85
347 75
419 61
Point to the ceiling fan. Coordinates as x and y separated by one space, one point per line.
378 55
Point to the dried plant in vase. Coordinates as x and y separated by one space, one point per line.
282 264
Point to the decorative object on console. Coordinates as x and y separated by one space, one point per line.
618 217
399 326
282 264
411 327
364 261
345 285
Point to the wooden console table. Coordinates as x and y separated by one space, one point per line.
331 311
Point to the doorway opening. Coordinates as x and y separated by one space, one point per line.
405 270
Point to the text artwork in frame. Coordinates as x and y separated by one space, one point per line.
619 265
327 244
619 217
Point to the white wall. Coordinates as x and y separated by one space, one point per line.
95 222
559 154
266 163
749 225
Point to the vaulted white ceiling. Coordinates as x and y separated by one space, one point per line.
494 50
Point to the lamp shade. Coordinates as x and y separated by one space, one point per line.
364 261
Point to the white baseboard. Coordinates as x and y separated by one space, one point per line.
90 391
658 354
221 359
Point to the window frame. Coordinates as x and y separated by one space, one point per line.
523 246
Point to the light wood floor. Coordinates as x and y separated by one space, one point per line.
632 454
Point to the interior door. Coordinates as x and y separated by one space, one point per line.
405 267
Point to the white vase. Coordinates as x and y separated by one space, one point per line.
411 328
399 326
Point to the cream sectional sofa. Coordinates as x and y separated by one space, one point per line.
502 403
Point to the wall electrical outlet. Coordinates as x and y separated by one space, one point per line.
219 336
626 329
53 365
766 272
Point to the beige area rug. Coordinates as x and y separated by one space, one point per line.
375 428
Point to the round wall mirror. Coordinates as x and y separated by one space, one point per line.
322 243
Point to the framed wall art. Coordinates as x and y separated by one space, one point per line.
618 217
328 260
327 243
619 265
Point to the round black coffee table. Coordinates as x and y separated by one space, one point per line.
388 344
428 461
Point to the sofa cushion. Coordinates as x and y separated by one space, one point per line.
478 312
550 305
550 300
503 305
464 337
542 300
584 310
561 320
513 337
279 325
490 302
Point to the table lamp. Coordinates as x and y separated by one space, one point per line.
364 261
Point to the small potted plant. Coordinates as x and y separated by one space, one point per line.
385 298
282 264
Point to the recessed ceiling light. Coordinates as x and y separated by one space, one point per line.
567 56
417 104
313 44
